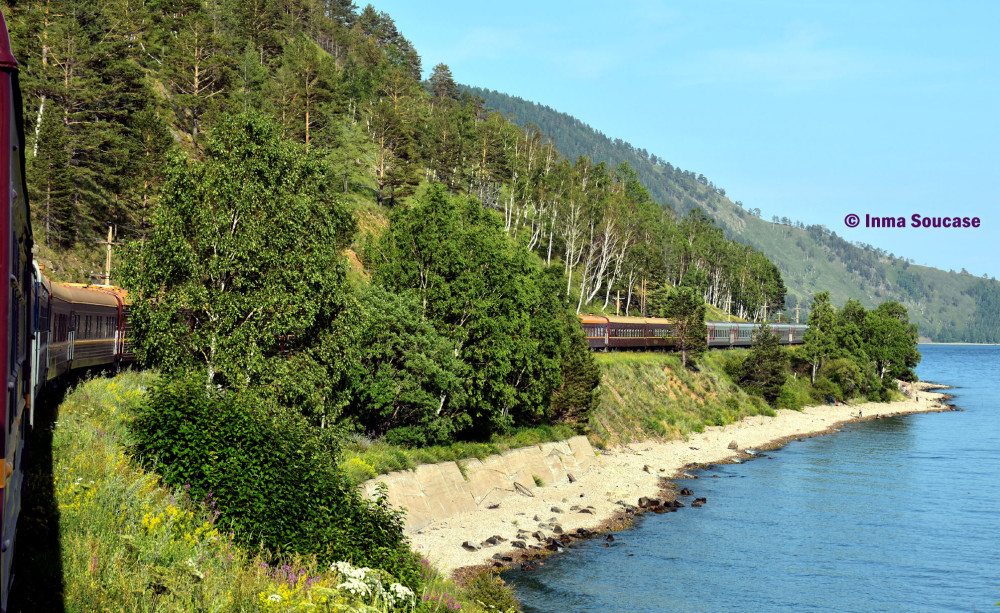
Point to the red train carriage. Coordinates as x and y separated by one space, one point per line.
15 304
613 332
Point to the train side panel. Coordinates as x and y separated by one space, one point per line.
15 308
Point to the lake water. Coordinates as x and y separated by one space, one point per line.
901 514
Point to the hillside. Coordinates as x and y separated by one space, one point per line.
947 306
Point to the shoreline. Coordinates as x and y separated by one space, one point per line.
629 481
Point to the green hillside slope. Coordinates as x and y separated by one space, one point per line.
948 306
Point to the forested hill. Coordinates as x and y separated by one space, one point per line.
113 90
948 306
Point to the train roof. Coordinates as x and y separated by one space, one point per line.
96 295
618 319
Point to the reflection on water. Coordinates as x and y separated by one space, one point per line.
888 515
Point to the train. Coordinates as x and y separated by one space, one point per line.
51 328
56 328
609 332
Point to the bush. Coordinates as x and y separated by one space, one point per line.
825 389
847 375
359 471
794 394
490 591
271 476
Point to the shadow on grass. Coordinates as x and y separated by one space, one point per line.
38 572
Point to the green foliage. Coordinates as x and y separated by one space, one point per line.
795 393
820 339
271 476
388 370
764 371
243 260
490 592
891 341
485 294
685 307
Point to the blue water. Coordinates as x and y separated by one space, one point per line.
901 514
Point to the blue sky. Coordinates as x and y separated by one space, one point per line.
805 109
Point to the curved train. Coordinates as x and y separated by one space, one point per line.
51 328
611 332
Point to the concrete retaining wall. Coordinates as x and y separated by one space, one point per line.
435 491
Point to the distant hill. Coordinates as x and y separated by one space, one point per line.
948 306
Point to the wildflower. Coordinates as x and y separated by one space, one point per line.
355 586
400 594
274 598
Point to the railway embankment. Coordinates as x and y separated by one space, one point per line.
653 424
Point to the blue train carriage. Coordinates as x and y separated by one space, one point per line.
15 305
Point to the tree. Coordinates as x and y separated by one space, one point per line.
304 88
442 85
485 293
686 309
51 179
390 370
765 369
820 339
243 260
850 339
891 341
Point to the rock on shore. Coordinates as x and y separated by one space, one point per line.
617 481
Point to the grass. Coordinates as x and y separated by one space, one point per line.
650 395
127 543
363 458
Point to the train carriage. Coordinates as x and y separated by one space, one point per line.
612 332
15 305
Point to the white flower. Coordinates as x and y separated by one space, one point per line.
355 586
399 593
274 598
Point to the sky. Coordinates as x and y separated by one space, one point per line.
807 109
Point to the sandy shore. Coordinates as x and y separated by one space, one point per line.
623 475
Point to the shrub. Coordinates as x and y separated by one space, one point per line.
847 375
794 394
490 591
271 475
358 470
825 390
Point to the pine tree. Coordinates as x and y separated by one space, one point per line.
765 369
442 85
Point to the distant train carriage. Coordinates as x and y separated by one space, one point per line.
612 332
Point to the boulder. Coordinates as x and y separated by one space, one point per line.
470 546
556 510
646 502
518 544
734 446
686 492
698 502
